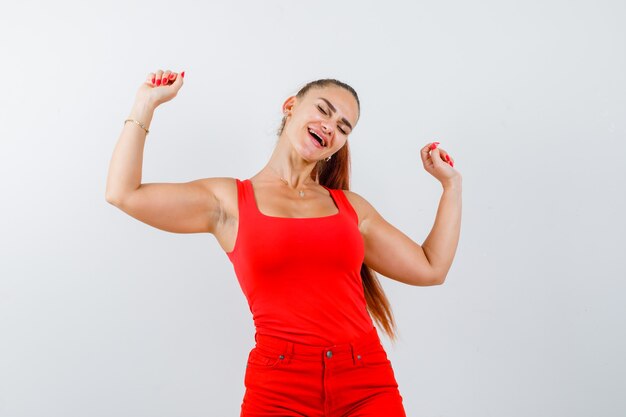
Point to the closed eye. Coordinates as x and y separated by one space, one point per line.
322 110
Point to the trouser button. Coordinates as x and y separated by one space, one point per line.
329 354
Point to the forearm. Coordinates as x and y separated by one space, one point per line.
126 163
441 243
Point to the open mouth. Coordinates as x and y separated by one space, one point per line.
317 138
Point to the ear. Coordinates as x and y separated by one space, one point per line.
289 103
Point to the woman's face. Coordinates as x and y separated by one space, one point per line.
329 112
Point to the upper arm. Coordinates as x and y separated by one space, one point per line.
388 251
189 207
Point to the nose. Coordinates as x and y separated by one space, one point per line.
325 129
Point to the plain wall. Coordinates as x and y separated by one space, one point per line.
102 315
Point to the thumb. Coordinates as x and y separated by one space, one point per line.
435 155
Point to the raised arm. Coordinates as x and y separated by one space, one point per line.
190 207
395 255
388 250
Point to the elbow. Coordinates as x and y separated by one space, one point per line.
110 196
113 199
116 197
438 278
426 280
439 281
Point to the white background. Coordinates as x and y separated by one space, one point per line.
102 315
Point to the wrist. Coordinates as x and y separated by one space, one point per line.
142 110
144 105
453 184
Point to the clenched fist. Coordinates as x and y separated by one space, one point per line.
439 164
160 87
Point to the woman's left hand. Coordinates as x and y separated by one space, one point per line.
439 164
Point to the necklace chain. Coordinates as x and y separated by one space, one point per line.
301 192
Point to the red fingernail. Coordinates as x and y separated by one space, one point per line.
153 78
171 76
159 81
448 158
433 146
182 74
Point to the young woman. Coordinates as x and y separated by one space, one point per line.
304 248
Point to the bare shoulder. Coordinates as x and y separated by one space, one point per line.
363 208
218 185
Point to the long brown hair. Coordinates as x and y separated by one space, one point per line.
336 174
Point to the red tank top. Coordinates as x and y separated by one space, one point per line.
301 276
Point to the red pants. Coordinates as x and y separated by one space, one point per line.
347 380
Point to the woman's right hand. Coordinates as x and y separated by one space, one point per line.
160 87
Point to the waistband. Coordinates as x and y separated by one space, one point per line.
367 342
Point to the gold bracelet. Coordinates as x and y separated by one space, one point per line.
138 124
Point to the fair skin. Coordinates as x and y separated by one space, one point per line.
209 205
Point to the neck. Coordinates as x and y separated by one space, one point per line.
290 166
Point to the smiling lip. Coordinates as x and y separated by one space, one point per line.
315 142
318 133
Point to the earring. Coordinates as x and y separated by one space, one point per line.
327 159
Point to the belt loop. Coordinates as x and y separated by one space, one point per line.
354 351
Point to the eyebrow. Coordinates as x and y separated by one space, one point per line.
333 109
